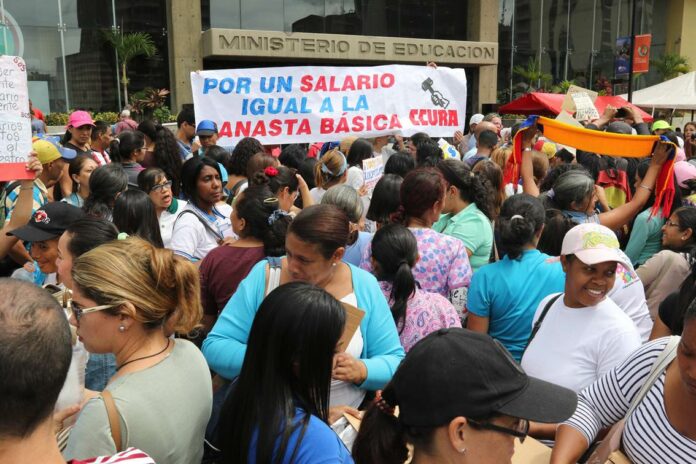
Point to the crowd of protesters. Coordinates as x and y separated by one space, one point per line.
166 299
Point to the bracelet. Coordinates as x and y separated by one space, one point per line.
643 186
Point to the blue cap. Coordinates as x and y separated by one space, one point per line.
206 128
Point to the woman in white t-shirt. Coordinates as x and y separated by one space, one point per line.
203 224
154 182
360 150
581 334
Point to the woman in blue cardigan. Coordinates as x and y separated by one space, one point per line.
315 245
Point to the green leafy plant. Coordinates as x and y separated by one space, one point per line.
535 78
562 87
129 46
163 114
108 117
57 119
149 100
671 65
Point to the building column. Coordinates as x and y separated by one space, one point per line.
184 31
482 26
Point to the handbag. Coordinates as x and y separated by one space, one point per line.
609 449
114 422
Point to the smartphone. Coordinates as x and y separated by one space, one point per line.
621 113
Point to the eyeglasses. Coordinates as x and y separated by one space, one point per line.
79 312
162 186
520 431
669 223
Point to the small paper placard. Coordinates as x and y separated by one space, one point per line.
353 318
373 170
15 119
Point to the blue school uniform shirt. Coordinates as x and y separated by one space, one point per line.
508 293
320 445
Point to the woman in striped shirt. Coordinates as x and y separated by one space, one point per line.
662 426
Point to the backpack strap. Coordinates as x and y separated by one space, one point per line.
274 269
537 324
114 422
203 221
233 191
658 367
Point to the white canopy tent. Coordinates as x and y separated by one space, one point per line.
675 94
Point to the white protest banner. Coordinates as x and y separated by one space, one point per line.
373 169
15 119
322 104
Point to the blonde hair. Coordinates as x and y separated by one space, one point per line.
346 142
330 168
163 288
501 155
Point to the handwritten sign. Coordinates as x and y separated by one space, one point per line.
322 104
581 101
448 151
373 169
15 120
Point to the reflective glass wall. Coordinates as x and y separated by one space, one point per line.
424 19
68 61
573 40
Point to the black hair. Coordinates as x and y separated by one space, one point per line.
186 115
288 363
687 290
242 153
258 206
306 170
428 153
360 150
487 139
219 154
395 249
166 155
105 183
125 144
89 233
521 217
148 178
75 167
326 226
292 155
592 162
286 177
556 226
565 156
419 138
35 356
134 214
400 163
386 199
547 182
189 175
100 128
470 187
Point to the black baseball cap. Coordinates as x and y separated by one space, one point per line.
456 372
49 221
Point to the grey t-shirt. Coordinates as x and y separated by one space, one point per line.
163 410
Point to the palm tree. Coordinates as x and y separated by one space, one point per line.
671 65
533 74
127 47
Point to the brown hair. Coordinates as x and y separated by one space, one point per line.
335 163
492 177
326 226
259 162
501 155
163 288
420 190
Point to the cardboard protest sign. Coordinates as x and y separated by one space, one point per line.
321 104
581 101
15 119
373 170
353 318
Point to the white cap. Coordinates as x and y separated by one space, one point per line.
593 244
125 113
475 119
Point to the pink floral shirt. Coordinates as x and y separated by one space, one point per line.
425 313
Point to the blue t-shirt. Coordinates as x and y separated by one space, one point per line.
355 251
508 293
320 444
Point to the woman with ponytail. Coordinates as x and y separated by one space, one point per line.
416 312
261 226
504 295
286 185
330 170
128 150
161 391
162 152
347 198
467 211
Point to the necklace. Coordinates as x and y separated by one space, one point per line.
118 368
